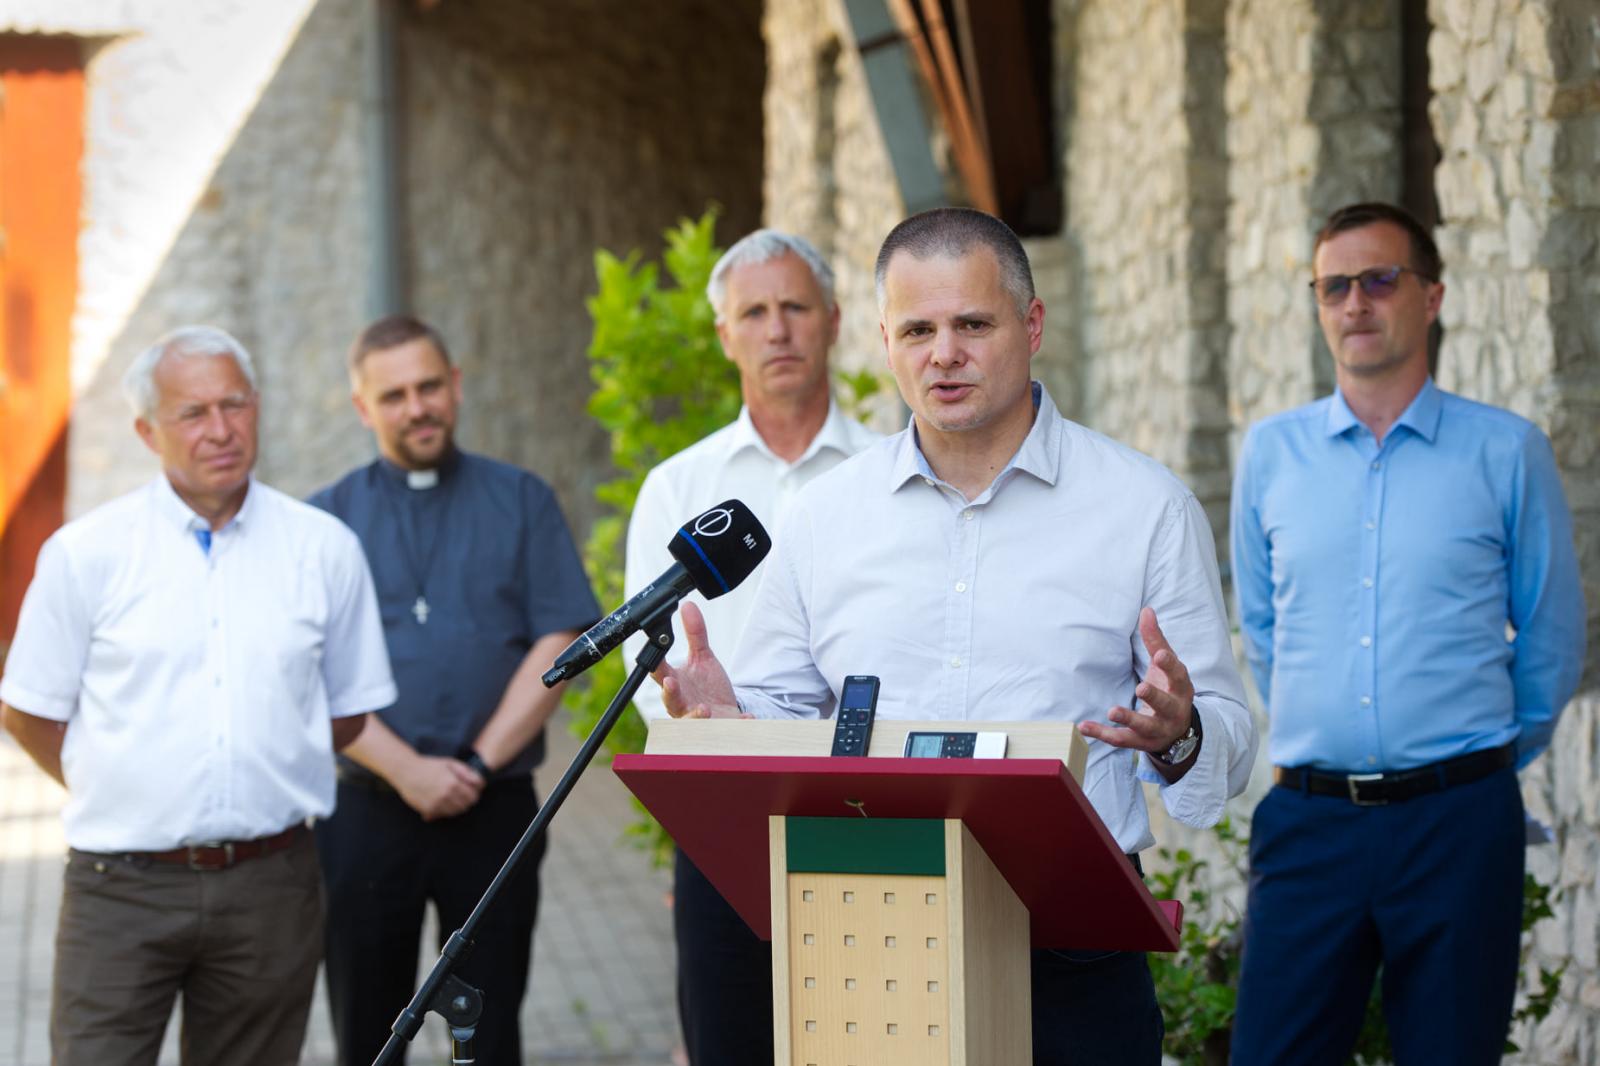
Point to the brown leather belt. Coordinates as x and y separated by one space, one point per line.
221 854
1372 790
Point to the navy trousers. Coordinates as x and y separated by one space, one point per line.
382 865
724 976
1431 889
1095 1008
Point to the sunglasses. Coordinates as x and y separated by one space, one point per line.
1379 283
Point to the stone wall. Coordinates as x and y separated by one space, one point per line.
1146 194
1312 122
212 191
225 182
827 173
536 133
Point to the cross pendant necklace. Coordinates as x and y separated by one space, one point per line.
418 557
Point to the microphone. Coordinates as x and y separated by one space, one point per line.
715 551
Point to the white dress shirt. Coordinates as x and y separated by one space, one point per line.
1020 604
732 463
197 685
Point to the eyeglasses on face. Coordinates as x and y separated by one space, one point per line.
1379 283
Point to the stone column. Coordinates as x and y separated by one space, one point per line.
828 176
1517 111
1146 199
1313 102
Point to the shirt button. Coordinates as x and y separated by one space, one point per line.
1371 524
1375 465
961 586
1366 582
967 514
956 663
927 481
1372 760
1366 642
1366 701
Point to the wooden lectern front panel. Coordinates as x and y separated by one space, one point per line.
869 969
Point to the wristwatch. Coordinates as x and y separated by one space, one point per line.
1184 746
476 764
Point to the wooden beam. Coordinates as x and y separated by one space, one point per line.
925 29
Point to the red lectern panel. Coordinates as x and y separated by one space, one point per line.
1029 815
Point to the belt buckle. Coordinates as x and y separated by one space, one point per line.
1355 780
198 866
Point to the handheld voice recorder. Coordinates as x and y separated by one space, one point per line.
852 722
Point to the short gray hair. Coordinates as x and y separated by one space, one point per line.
186 342
763 246
953 232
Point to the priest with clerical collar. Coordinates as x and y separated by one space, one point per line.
480 587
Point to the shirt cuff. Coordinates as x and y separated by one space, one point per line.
1198 798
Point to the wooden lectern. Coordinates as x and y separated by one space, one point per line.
901 895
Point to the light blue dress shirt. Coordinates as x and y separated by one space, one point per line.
1411 602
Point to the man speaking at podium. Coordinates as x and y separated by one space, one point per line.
997 562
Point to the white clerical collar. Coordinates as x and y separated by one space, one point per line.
422 479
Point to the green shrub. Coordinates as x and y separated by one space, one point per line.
661 383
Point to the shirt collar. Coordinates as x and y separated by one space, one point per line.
834 436
172 508
1038 455
1421 415
396 475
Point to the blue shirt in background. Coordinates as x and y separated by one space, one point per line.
1411 602
488 549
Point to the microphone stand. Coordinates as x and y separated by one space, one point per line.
442 991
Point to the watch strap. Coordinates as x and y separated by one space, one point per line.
475 763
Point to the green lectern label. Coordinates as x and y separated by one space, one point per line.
911 846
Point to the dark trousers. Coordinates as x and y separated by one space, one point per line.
724 976
1431 889
240 945
383 864
1095 1008
1090 1008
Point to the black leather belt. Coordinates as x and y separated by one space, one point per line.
1372 790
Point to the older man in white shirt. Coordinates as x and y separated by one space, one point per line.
777 320
187 660
998 562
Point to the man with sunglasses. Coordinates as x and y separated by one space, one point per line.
1410 605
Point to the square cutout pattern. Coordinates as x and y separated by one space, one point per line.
848 988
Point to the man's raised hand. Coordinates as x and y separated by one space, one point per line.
700 687
1166 692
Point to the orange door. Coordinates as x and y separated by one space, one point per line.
41 148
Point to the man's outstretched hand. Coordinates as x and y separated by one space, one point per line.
1167 695
700 687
